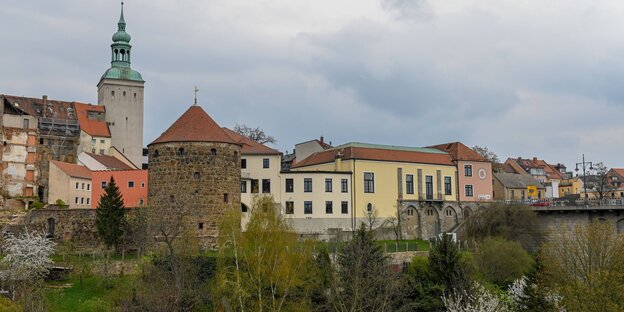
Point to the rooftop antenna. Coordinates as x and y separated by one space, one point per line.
196 90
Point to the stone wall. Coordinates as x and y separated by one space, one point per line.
425 220
552 223
197 180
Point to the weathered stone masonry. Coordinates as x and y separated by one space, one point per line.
200 177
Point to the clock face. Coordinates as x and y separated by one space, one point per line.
482 174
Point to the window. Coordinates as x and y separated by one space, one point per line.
82 200
243 163
83 186
369 207
468 170
124 93
88 200
307 185
142 184
88 186
429 187
41 141
449 212
344 185
213 152
265 163
430 211
266 186
200 225
307 207
290 207
344 207
255 188
156 153
447 186
102 141
290 185
130 184
76 200
409 184
181 151
226 198
513 194
244 208
93 141
469 190
77 185
101 151
369 182
329 207
141 202
103 184
328 185
112 93
196 175
243 186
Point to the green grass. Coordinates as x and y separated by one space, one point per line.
93 287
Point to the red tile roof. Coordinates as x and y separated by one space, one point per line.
380 154
39 107
110 161
73 170
92 127
249 146
459 151
619 171
195 125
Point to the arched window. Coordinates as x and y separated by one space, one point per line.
181 151
156 153
369 207
430 211
244 208
226 198
213 151
196 175
449 212
112 93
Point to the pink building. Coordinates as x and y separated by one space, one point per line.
473 170
132 185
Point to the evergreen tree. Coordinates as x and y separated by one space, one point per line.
536 296
110 215
364 280
447 267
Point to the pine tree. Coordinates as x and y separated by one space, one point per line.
364 280
537 297
110 216
447 267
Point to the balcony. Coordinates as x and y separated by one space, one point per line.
430 197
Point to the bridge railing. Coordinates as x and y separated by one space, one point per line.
558 202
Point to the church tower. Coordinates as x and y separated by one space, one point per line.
120 90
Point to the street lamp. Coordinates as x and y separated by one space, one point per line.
584 164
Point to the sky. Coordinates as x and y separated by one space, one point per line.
523 77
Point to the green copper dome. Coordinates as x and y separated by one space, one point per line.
121 36
122 73
120 55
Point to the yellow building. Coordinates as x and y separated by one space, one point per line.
570 186
391 181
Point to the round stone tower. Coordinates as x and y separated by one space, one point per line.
194 175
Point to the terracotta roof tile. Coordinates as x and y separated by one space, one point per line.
249 146
92 127
195 125
110 161
619 171
380 153
39 107
460 152
73 170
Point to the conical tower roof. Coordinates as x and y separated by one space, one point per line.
195 125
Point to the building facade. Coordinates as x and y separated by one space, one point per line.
132 186
71 184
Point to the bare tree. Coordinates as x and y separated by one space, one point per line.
255 134
486 153
602 183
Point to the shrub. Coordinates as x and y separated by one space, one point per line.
59 202
36 205
501 261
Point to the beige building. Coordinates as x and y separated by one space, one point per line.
515 187
70 183
95 136
317 202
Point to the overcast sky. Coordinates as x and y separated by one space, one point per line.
525 78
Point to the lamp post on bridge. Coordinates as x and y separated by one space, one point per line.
585 165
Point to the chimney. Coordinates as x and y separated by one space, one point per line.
45 99
322 139
535 160
338 161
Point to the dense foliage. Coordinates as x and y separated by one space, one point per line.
110 215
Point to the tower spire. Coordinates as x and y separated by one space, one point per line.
121 25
